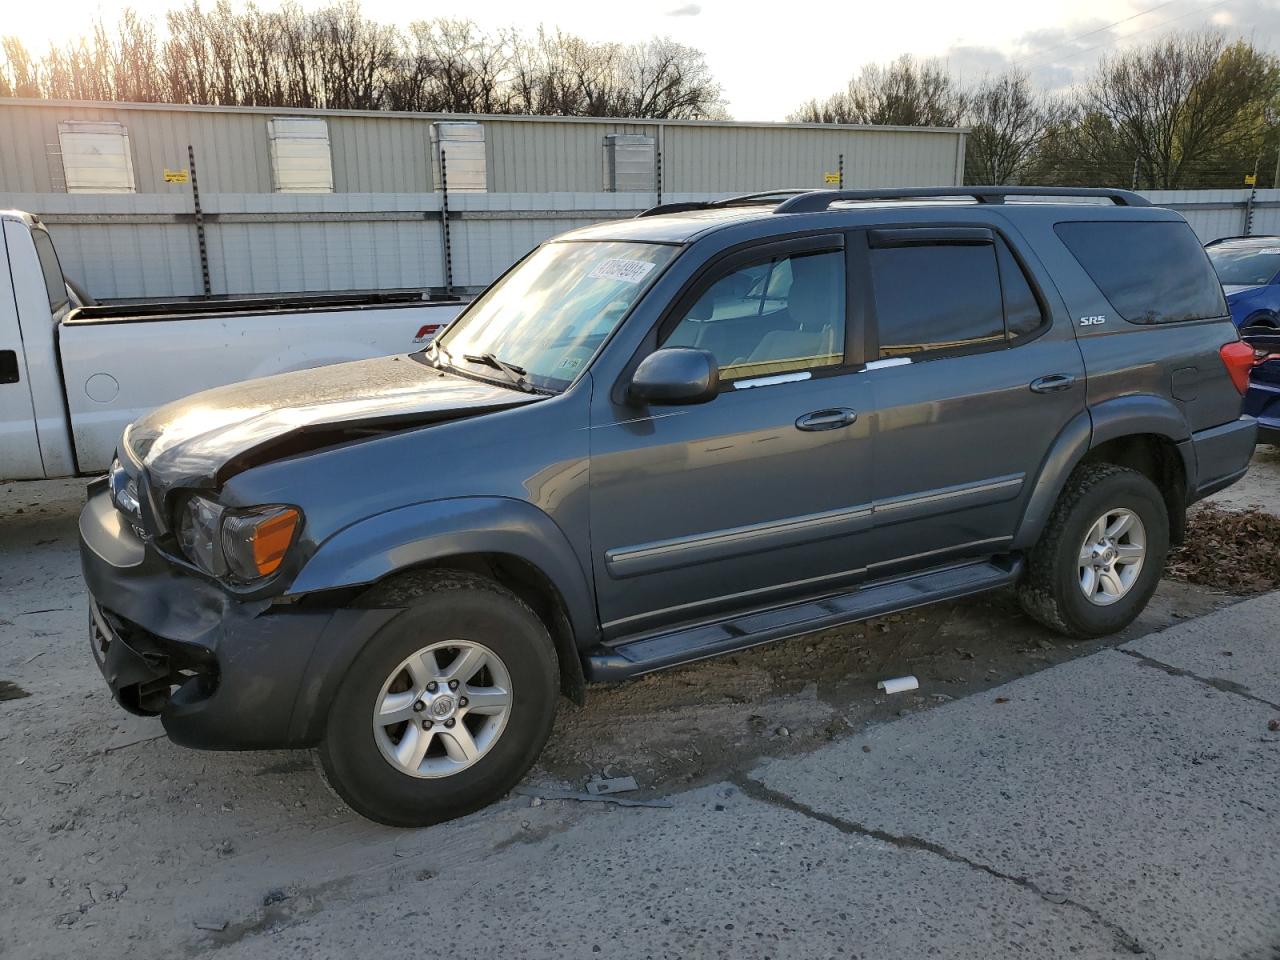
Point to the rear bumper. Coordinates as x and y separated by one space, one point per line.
221 674
1222 455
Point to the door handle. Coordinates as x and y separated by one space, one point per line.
1053 383
832 419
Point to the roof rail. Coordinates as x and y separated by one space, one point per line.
815 201
684 206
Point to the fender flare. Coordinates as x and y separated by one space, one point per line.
406 537
1109 420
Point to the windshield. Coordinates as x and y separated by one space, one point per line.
1246 266
548 316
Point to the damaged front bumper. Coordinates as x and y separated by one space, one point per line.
221 673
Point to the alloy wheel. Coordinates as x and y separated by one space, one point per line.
442 709
1112 555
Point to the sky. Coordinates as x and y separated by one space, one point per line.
770 57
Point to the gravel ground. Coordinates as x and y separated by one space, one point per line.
117 841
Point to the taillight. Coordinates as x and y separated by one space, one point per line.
1238 357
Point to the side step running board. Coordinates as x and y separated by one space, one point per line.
630 658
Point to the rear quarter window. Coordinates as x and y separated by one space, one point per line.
55 286
1149 271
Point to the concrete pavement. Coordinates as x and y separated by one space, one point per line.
1124 803
1120 803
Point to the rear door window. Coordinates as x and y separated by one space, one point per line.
1149 271
939 297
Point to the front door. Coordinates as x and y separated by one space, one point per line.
973 380
761 494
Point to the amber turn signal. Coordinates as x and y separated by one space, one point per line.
255 543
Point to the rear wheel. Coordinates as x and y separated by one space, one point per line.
1101 554
446 707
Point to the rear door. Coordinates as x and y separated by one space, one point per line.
972 378
19 447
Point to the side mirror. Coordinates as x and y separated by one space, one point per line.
676 375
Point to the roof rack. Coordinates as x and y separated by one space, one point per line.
741 200
815 201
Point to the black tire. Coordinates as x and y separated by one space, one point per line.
441 605
1050 589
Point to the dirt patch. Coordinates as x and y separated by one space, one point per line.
704 722
1233 550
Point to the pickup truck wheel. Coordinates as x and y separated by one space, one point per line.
1101 554
446 707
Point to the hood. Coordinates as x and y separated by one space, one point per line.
205 438
1236 289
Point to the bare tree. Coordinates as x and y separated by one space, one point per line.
906 92
1182 105
1008 122
19 73
336 57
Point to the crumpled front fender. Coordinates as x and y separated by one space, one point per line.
420 533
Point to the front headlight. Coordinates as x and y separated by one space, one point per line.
198 530
244 544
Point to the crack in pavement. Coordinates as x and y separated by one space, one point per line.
758 791
1219 684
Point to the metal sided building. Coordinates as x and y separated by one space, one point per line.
299 200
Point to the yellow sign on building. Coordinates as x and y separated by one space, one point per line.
175 176
831 177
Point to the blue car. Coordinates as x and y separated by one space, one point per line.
1249 268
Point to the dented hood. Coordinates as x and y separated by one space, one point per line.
207 437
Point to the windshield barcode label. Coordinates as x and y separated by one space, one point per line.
628 271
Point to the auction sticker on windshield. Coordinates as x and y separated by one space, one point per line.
628 271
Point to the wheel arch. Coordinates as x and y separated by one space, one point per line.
1143 432
511 541
523 578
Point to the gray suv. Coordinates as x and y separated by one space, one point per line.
657 440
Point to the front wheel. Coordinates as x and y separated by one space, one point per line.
1101 554
446 707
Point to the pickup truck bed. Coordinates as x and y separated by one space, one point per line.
72 377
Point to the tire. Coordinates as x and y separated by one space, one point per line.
1053 589
457 613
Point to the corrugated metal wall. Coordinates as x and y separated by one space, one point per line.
136 246
390 152
705 159
1223 213
381 227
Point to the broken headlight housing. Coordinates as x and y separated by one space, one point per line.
243 545
124 491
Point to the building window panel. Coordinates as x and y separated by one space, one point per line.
629 163
96 157
300 156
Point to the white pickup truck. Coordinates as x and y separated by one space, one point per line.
72 376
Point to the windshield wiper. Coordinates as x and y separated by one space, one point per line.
514 373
